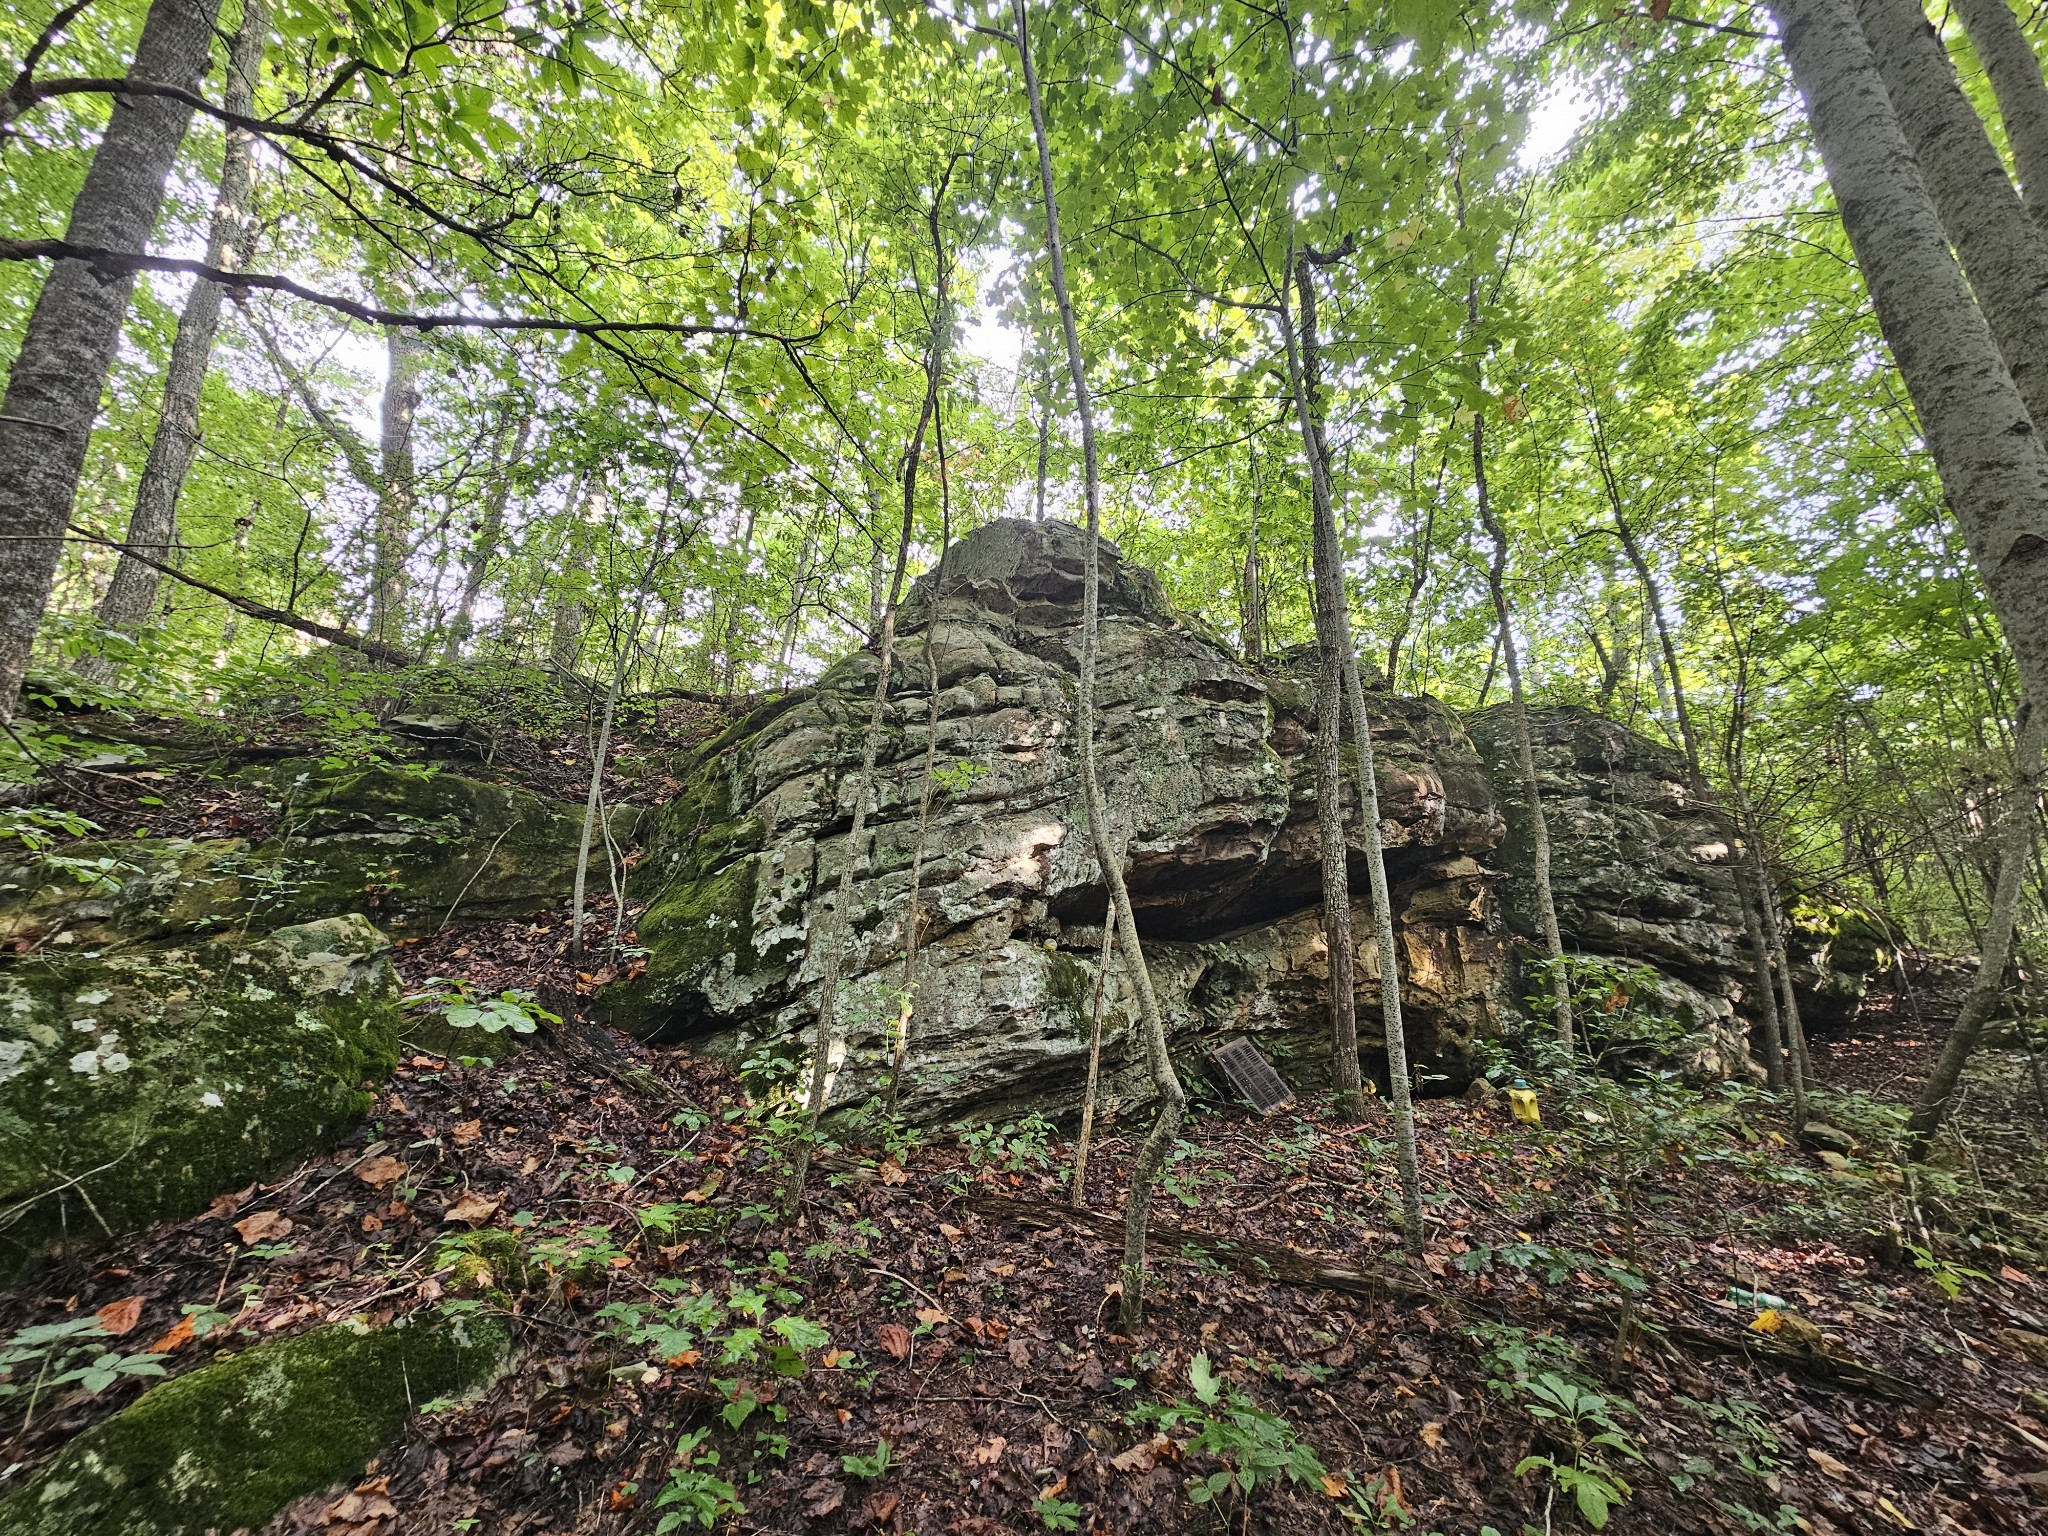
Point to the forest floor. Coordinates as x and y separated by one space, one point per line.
934 1348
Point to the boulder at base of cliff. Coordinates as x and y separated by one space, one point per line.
232 1443
136 1085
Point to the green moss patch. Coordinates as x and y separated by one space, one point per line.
231 1444
136 1086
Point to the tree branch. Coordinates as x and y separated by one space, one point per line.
128 263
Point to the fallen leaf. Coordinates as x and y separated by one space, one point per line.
1432 1435
995 1330
379 1172
931 1317
989 1452
1838 1470
950 1233
2014 1276
1020 1354
179 1336
263 1226
895 1338
119 1317
397 1106
1767 1321
822 1497
224 1206
892 1172
687 1357
1146 1455
472 1208
1334 1485
880 1509
466 1132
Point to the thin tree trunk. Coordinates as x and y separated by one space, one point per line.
153 524
397 488
53 387
1252 592
1766 988
1044 441
601 754
1304 370
1992 463
2016 847
2015 71
565 621
1151 1158
1332 634
489 535
1525 741
2000 243
1085 1137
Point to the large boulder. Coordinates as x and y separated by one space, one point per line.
227 1446
135 1085
1642 869
413 849
1207 768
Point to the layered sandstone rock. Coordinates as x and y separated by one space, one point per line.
1207 766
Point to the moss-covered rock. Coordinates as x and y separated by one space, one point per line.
414 848
229 1445
137 1085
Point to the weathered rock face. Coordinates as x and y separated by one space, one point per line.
135 1086
1640 867
1207 767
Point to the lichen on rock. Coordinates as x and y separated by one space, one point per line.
227 1446
137 1084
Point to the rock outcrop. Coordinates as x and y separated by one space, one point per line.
1207 766
227 1446
137 1085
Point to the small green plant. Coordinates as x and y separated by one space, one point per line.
1587 1433
958 778
694 1494
1056 1514
460 1008
1252 1445
868 1468
45 1356
1019 1147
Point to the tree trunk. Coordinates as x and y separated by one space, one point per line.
2001 245
1304 372
1525 742
153 525
488 536
1085 1137
565 620
397 488
53 388
1151 1158
2016 848
2015 71
1992 463
1766 988
1335 859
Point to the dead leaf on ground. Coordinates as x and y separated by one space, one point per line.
949 1232
1146 1454
379 1172
892 1172
989 1452
119 1317
1334 1485
931 1317
179 1336
880 1508
465 1132
264 1227
823 1497
223 1206
472 1208
1432 1435
1838 1470
895 1338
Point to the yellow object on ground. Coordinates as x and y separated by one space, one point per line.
1523 1102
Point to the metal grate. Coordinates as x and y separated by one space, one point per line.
1252 1075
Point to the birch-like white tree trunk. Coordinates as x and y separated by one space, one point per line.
2001 245
153 524
2016 79
489 535
398 483
53 388
1991 460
